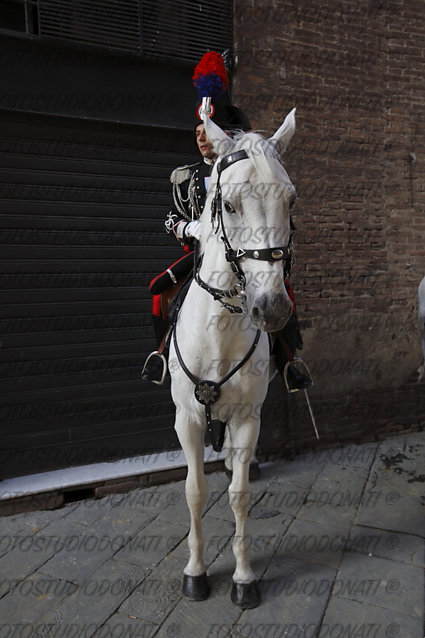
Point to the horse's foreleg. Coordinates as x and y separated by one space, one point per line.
191 437
244 439
227 445
254 470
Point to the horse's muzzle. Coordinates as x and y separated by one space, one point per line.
271 312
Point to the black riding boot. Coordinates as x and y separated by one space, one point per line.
296 376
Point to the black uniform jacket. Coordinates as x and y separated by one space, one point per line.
190 185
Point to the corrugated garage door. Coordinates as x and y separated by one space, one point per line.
81 223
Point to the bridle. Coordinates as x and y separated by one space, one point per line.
233 256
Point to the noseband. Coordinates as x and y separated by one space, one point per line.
233 256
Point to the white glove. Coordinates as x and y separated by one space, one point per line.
193 229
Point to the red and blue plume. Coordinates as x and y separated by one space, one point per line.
210 77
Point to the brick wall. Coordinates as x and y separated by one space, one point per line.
355 71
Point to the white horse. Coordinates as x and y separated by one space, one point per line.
421 325
238 295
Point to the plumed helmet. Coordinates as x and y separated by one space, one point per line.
211 80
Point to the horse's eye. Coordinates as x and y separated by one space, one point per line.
229 208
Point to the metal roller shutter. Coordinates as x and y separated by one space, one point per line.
81 226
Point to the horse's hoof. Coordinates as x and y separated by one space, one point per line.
196 587
246 595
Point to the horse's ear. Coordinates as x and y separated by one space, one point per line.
219 139
283 135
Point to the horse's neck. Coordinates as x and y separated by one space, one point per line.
211 339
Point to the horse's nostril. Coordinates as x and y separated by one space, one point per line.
255 312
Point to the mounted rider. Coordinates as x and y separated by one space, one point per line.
190 185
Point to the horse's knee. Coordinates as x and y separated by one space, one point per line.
196 491
239 500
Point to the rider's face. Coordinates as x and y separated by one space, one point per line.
204 145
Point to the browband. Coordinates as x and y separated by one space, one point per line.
231 159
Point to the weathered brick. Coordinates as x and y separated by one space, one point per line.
355 73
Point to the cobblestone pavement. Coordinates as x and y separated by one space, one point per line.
337 543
